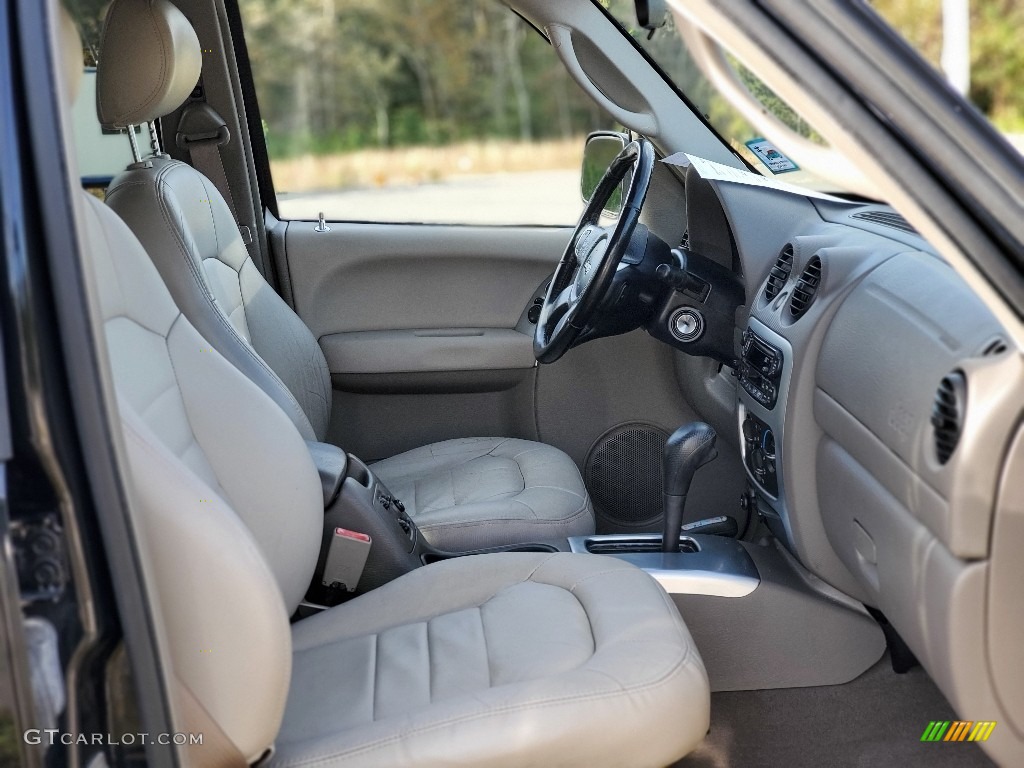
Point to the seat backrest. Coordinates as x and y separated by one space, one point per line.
227 500
186 226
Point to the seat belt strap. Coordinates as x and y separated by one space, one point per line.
202 132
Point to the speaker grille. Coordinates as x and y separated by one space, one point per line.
623 474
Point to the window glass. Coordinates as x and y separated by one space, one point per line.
976 44
101 154
666 48
416 111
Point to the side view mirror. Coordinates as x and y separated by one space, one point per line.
651 14
601 148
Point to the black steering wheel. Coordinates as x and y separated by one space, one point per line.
588 266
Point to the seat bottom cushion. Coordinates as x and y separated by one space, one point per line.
475 493
498 660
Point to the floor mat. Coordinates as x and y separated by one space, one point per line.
875 720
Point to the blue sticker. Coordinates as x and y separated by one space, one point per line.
775 161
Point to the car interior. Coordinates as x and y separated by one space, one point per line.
724 474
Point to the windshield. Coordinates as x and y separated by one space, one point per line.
666 48
974 44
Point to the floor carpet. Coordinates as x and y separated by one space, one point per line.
875 720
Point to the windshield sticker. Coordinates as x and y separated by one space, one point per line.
775 161
712 171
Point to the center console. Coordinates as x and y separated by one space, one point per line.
764 372
368 539
704 565
754 612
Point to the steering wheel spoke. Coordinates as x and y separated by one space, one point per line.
593 254
563 302
562 323
555 314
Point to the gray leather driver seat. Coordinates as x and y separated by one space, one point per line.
463 495
497 660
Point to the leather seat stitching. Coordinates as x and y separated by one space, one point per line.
430 662
487 652
492 450
497 520
554 488
241 298
593 576
213 219
657 682
188 419
157 398
667 677
533 512
376 675
528 577
523 453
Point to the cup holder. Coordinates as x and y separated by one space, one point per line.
434 557
529 548
624 546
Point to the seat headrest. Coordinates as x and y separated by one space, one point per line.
70 53
150 61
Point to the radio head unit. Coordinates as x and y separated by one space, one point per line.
760 369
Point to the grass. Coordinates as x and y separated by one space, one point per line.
410 166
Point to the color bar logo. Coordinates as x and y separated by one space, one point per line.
958 730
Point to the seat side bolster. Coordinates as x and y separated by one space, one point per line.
261 462
218 606
172 209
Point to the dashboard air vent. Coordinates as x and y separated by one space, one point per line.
806 288
886 219
995 347
780 273
948 414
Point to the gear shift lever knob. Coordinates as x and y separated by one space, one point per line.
688 449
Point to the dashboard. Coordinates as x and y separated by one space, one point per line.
874 403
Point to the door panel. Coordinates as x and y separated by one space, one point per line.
376 277
422 327
376 424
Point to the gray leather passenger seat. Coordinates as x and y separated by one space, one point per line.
149 64
497 660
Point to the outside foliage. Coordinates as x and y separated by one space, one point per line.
375 93
399 73
997 53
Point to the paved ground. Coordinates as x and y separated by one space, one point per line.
536 197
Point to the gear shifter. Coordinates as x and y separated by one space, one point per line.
688 449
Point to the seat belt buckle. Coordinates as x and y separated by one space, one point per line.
346 558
